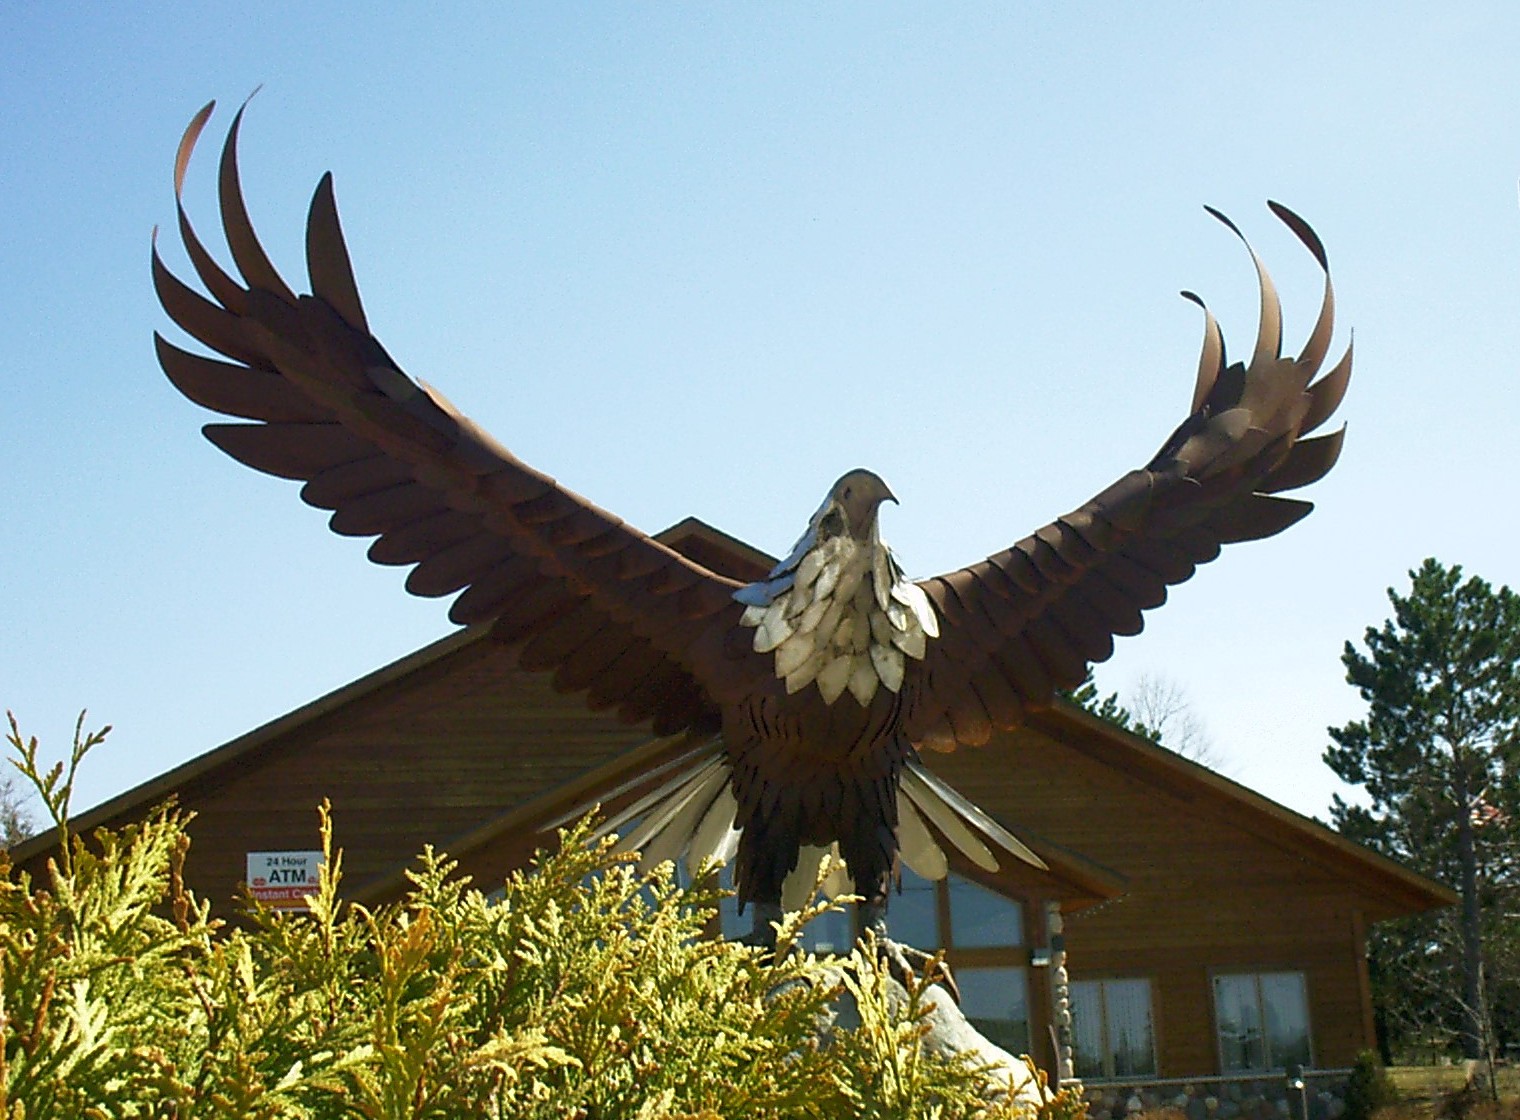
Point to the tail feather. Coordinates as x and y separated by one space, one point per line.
691 816
658 798
668 833
952 812
716 839
797 887
916 845
947 822
683 805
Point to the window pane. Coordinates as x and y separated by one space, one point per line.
996 1002
1111 1028
1087 1028
1239 1017
1286 1011
913 915
1130 1042
980 918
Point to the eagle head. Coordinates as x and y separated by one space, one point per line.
858 495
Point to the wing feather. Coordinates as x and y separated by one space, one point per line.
249 256
334 487
296 451
550 646
584 665
235 390
458 565
332 273
1308 462
413 543
374 513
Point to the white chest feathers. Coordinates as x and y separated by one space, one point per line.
840 613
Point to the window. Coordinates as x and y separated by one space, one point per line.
996 1002
982 919
1111 1028
913 914
1263 1021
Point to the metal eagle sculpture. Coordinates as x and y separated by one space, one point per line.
800 702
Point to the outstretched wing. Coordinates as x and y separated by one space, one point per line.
609 610
1031 619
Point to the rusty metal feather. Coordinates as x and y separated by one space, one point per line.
199 317
226 290
450 569
483 599
1269 329
409 544
1211 358
298 451
1326 393
347 481
249 256
1308 462
327 260
374 513
235 390
1256 516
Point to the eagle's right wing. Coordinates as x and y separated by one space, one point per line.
610 611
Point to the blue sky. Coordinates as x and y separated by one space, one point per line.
703 259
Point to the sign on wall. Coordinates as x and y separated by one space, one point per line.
283 879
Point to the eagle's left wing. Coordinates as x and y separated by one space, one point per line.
1029 620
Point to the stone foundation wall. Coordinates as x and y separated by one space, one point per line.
1223 1098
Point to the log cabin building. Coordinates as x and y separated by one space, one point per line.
1195 930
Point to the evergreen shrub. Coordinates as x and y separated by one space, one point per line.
584 991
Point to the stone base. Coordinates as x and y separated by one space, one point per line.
1223 1098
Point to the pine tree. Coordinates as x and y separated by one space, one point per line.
1437 755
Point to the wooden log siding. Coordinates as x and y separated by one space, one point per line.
1205 894
422 766
424 759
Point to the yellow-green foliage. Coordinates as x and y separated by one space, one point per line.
586 991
